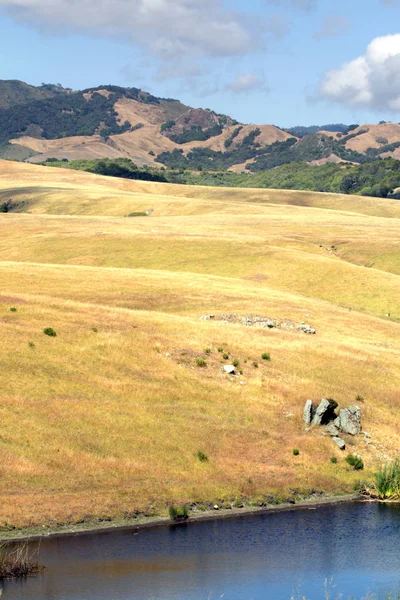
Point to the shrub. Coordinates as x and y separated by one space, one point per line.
200 362
31 344
333 460
202 456
266 356
207 350
49 331
296 451
235 362
387 481
138 214
359 398
332 403
220 349
355 461
225 356
178 513
13 309
255 365
94 329
240 372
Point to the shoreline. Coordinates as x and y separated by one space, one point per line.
37 534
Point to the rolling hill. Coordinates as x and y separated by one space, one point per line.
107 417
38 123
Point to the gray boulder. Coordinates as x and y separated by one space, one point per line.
306 329
324 412
349 420
339 442
308 412
332 430
230 369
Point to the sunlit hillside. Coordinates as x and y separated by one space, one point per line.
108 416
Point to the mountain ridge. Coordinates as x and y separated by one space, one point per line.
49 121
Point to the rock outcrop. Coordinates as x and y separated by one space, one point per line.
349 420
308 412
325 412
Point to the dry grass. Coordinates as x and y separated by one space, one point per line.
109 415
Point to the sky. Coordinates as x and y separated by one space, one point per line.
285 62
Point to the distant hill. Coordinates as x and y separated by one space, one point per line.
38 123
301 130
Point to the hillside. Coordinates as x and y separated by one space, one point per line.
114 122
107 417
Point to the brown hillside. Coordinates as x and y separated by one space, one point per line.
374 136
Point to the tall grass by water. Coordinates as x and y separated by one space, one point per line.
18 560
387 481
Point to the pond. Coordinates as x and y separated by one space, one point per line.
351 548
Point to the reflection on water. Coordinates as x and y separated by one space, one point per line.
257 557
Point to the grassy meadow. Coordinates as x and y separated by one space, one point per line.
106 418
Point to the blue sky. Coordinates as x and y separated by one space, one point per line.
261 61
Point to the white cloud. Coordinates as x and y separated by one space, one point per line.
371 80
166 28
247 82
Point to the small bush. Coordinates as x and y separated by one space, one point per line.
207 350
13 309
240 372
266 356
178 513
31 344
255 365
333 460
94 329
235 362
220 349
332 403
355 461
49 331
296 451
225 356
200 362
202 456
138 214
359 398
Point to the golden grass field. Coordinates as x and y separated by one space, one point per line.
107 417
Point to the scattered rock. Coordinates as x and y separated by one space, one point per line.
324 412
308 412
349 420
306 329
263 322
230 369
216 507
339 442
332 430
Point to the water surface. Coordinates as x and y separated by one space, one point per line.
257 557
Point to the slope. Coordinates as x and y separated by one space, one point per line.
107 417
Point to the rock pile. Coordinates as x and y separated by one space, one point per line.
263 322
348 420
